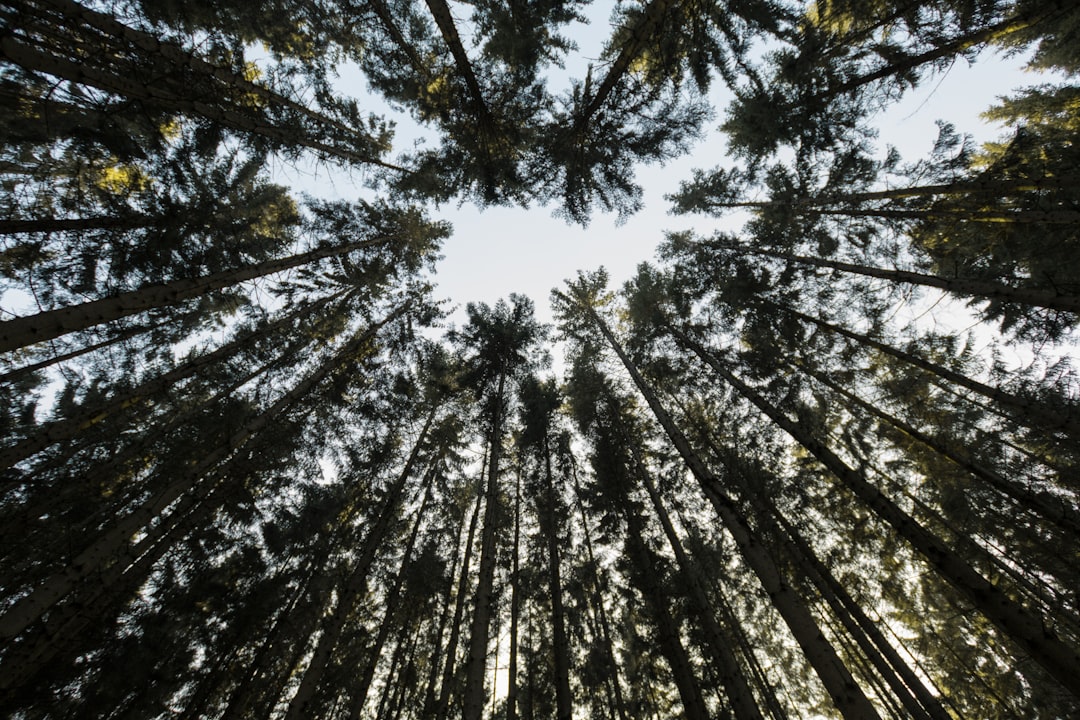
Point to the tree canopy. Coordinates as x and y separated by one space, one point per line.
823 465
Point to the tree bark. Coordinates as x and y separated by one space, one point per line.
560 645
839 683
957 286
302 703
1027 412
114 544
1029 629
443 705
737 690
473 698
49 324
57 431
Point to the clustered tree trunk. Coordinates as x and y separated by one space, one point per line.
247 472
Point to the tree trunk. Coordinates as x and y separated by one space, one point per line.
1056 510
515 608
49 324
301 704
474 697
114 544
737 690
839 683
648 578
57 431
560 645
392 597
598 604
651 18
1040 416
996 32
450 668
56 225
957 286
1030 630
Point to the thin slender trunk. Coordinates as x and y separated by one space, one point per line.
302 703
515 607
1027 412
839 683
450 668
473 698
114 545
1056 510
560 645
648 579
738 692
391 604
601 612
48 434
13 375
651 18
957 286
444 19
440 628
993 33
897 673
49 324
82 224
1030 630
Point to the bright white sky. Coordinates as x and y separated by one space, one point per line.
503 250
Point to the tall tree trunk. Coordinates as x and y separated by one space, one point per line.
301 704
598 603
651 18
430 697
839 683
737 690
560 645
1030 630
450 669
81 224
1052 508
114 545
473 698
49 324
897 673
515 607
13 375
993 33
957 286
1027 412
648 579
50 433
392 597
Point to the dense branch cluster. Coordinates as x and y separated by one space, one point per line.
243 476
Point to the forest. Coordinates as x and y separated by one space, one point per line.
249 468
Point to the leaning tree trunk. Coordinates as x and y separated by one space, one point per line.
49 324
648 579
1027 412
1029 629
114 545
957 286
450 669
1046 505
737 690
60 430
837 679
560 644
301 704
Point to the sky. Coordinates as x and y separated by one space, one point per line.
504 250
